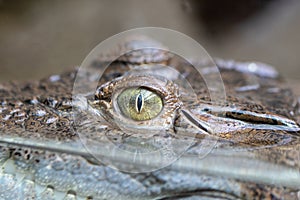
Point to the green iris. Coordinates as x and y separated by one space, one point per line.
139 104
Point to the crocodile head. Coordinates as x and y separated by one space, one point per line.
153 114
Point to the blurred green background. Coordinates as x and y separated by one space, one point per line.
42 37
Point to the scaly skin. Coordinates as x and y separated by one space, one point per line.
256 156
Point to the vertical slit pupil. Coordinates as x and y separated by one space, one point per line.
139 102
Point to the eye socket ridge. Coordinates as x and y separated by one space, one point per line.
107 96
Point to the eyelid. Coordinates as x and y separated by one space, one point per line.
165 89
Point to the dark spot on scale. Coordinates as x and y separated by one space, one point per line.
27 88
72 192
28 101
18 154
206 109
116 74
234 113
275 122
50 187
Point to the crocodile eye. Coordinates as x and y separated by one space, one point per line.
139 104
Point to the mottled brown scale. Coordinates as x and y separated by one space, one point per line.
255 102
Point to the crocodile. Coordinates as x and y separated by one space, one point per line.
53 146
